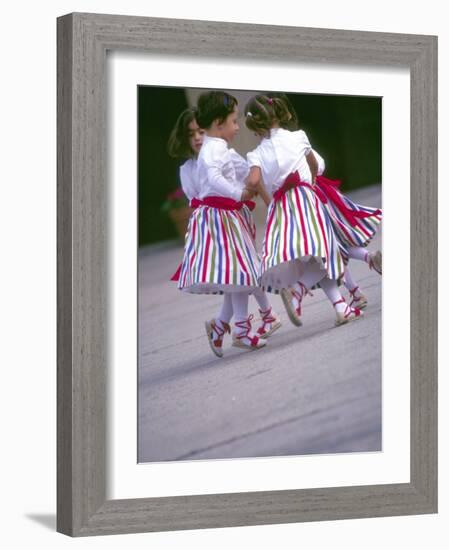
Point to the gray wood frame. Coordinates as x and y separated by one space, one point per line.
83 40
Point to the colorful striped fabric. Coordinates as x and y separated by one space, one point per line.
298 228
363 232
219 252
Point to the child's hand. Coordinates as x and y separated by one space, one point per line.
254 178
251 183
247 194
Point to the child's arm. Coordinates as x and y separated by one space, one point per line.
254 183
313 165
254 178
216 160
263 193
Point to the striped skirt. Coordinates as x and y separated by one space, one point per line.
362 229
298 232
219 252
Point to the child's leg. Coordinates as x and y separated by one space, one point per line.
242 335
303 286
240 306
358 298
374 260
358 253
292 297
344 312
225 313
216 328
261 299
270 321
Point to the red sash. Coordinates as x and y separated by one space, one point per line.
294 180
329 189
225 203
326 190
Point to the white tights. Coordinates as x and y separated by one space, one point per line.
358 253
235 302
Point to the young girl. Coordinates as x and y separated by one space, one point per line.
300 244
185 141
355 225
220 254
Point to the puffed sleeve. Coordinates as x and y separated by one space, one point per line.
218 157
240 165
303 141
254 158
187 179
320 161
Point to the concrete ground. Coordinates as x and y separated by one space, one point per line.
313 389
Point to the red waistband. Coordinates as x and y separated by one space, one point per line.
224 203
294 180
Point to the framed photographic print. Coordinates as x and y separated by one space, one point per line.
160 428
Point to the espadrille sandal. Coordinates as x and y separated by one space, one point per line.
375 261
287 295
215 335
270 323
360 301
349 314
245 339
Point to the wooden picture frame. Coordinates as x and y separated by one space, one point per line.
83 40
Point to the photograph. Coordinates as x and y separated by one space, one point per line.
259 274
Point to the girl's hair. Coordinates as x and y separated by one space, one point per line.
263 112
178 145
214 105
293 123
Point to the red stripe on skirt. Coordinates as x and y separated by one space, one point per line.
270 221
194 251
226 249
239 257
322 231
284 206
206 252
298 202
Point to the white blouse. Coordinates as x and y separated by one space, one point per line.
280 154
220 170
320 161
189 178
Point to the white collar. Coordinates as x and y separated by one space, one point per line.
214 138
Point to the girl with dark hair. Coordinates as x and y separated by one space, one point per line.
185 142
300 246
220 254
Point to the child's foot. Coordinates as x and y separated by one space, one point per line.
216 330
242 337
358 299
270 323
375 261
346 314
292 301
